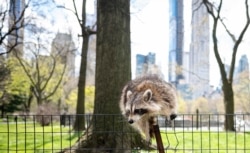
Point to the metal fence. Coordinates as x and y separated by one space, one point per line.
188 133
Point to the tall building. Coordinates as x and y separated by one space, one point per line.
64 46
242 71
243 64
199 51
175 41
145 64
16 22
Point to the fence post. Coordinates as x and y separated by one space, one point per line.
197 119
158 138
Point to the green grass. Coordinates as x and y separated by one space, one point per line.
32 137
206 141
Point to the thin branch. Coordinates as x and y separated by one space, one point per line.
25 69
209 7
238 41
228 31
58 83
77 16
216 18
16 21
52 71
86 30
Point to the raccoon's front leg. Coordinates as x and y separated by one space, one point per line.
149 128
147 131
143 126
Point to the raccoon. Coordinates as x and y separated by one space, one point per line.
146 97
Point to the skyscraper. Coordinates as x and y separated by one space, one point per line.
199 51
175 40
243 64
64 46
145 64
16 26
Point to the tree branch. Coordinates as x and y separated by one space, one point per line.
228 31
58 82
14 27
238 41
216 18
77 15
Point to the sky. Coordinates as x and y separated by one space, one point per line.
149 31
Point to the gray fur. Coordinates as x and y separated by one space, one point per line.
146 97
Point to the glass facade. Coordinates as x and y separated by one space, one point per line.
143 62
175 40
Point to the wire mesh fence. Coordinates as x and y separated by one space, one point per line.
188 133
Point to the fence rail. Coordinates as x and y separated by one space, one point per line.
188 133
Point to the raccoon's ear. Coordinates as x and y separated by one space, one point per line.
129 93
147 95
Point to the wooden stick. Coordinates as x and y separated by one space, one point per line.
158 138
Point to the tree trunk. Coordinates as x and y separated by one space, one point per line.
79 124
108 131
229 106
113 70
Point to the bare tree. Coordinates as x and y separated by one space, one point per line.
227 79
86 32
242 88
43 69
11 23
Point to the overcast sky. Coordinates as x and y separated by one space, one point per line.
149 33
150 25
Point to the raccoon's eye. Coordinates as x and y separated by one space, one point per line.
166 100
140 111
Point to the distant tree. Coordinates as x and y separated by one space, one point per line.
11 21
216 103
227 77
242 88
19 83
89 98
15 103
15 86
201 104
86 32
182 106
4 76
45 70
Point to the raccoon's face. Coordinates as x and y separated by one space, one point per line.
136 106
141 104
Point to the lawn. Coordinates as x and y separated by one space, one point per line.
206 141
26 137
32 137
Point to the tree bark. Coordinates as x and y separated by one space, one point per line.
108 131
79 124
229 106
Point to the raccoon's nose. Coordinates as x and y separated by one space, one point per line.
173 116
130 121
